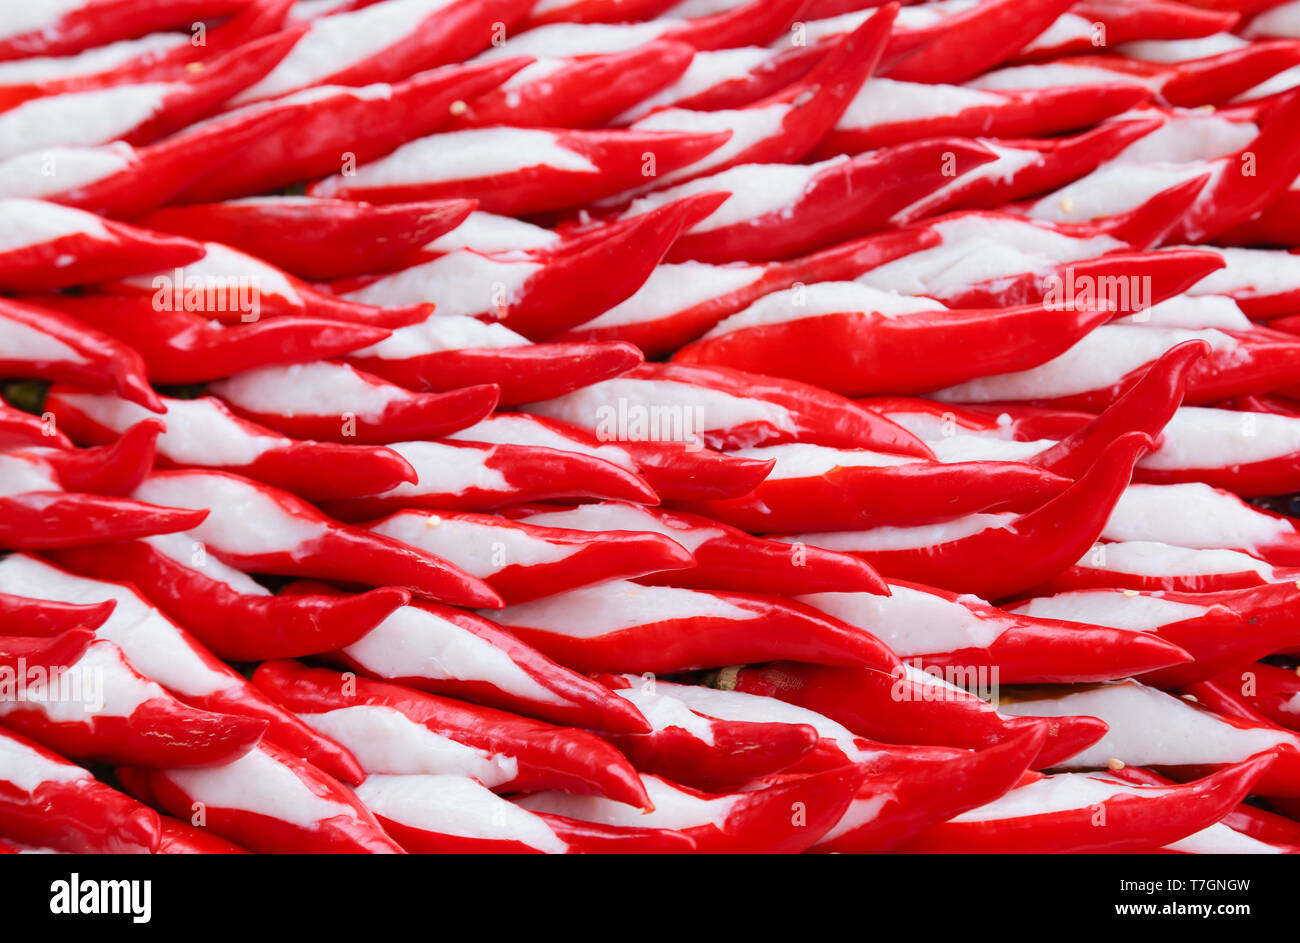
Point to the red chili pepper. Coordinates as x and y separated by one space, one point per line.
542 293
702 752
910 705
1149 727
1025 646
115 469
1221 631
401 37
724 408
315 129
456 815
1077 812
393 730
620 626
44 655
99 707
62 30
1263 283
181 838
182 347
49 802
165 653
232 615
996 555
776 211
55 246
578 91
334 402
260 529
758 821
267 800
521 171
814 488
724 557
315 239
523 561
458 654
1145 565
19 429
1267 690
203 433
22 615
598 11
1106 23
47 519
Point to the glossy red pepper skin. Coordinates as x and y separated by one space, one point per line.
352 830
600 11
180 347
43 520
725 557
158 731
1119 23
770 628
591 557
1267 689
24 616
998 562
404 416
74 813
115 468
235 625
313 135
19 429
18 653
844 200
318 546
584 92
103 21
896 708
735 752
567 698
618 156
524 374
97 360
315 239
181 838
547 757
316 471
1131 823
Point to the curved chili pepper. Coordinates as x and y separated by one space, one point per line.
776 211
1146 565
181 838
121 716
597 11
1266 689
870 341
268 801
734 823
578 91
996 555
724 557
45 654
910 706
115 469
943 629
1221 631
397 730
1149 727
41 520
19 429
619 626
539 295
182 347
315 129
1036 818
455 653
732 409
315 239
814 488
58 246
163 652
257 528
1119 23
447 814
47 801
776 129
232 615
44 618
61 30
693 749
203 433
335 402
1263 283
401 37
674 470
520 171
1274 225
526 561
